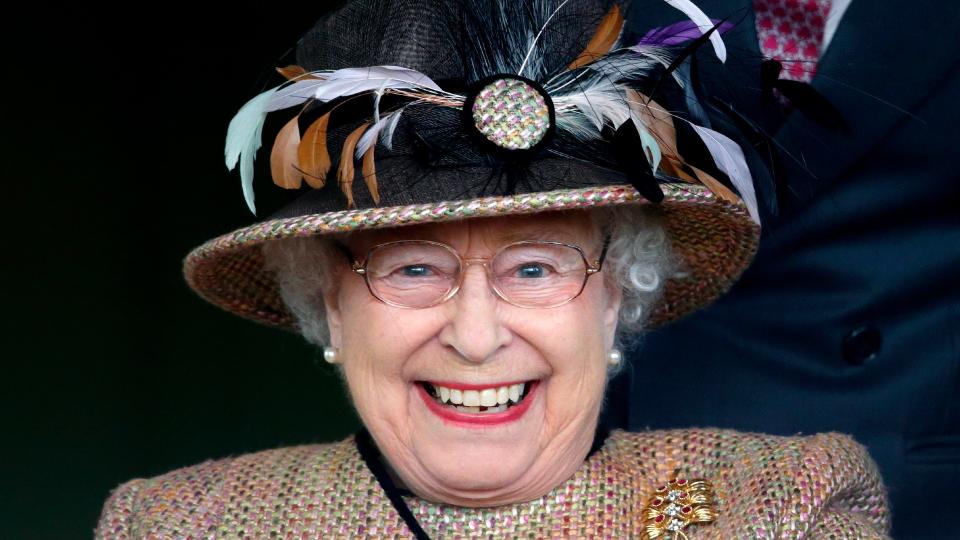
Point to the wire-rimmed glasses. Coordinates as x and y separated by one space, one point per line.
419 274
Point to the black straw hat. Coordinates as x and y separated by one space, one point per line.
403 112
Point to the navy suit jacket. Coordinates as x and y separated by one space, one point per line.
849 317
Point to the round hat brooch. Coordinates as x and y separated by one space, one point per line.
510 113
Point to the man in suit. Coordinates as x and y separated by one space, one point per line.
849 318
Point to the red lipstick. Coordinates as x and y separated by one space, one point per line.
452 415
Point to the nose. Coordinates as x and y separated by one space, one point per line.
475 327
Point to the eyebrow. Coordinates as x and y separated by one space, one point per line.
544 233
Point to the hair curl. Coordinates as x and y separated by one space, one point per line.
639 261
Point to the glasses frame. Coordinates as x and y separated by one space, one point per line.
359 267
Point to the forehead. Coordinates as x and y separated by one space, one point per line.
577 227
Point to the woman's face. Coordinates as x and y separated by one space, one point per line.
395 359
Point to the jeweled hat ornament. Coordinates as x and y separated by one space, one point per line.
449 110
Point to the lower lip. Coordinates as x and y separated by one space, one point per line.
478 419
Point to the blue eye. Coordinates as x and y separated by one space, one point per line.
531 271
416 270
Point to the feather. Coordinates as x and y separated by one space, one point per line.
244 137
659 122
370 172
686 72
606 36
600 104
283 158
536 38
715 186
295 72
292 94
609 69
729 158
389 128
678 33
638 171
651 148
345 169
312 153
703 23
680 58
673 167
350 81
370 137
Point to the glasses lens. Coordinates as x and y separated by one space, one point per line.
412 274
539 274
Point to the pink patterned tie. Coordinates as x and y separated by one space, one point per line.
791 31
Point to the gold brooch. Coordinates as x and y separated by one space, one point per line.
676 505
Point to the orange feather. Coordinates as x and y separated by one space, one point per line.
603 39
345 169
294 71
283 158
312 153
715 186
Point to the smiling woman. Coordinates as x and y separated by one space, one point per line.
526 210
420 378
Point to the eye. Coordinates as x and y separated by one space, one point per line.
416 270
532 270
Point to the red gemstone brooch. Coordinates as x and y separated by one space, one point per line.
675 506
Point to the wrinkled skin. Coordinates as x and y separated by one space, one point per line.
476 337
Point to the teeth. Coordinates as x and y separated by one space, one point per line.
488 397
493 399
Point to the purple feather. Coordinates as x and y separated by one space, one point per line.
678 33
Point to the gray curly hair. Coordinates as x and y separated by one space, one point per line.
639 261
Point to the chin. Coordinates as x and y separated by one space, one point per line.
476 465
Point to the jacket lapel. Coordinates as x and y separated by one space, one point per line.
883 60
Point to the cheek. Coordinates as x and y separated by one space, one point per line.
378 342
571 338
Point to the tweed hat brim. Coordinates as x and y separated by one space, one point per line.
712 239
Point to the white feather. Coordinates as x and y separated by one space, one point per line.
388 129
600 104
703 23
369 136
349 81
244 139
293 94
533 42
729 158
651 149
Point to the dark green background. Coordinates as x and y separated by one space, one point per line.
112 140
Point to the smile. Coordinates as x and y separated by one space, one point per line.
472 404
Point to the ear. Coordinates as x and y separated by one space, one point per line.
611 312
331 303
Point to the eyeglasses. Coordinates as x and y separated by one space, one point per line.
419 274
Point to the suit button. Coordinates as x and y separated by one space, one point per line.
861 345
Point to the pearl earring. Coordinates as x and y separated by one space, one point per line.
330 355
614 357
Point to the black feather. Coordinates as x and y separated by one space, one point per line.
629 152
685 53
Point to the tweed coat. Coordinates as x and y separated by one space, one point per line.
819 486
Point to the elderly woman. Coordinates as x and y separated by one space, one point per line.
524 209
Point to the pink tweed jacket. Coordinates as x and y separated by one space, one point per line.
822 486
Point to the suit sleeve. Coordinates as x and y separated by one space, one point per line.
116 518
